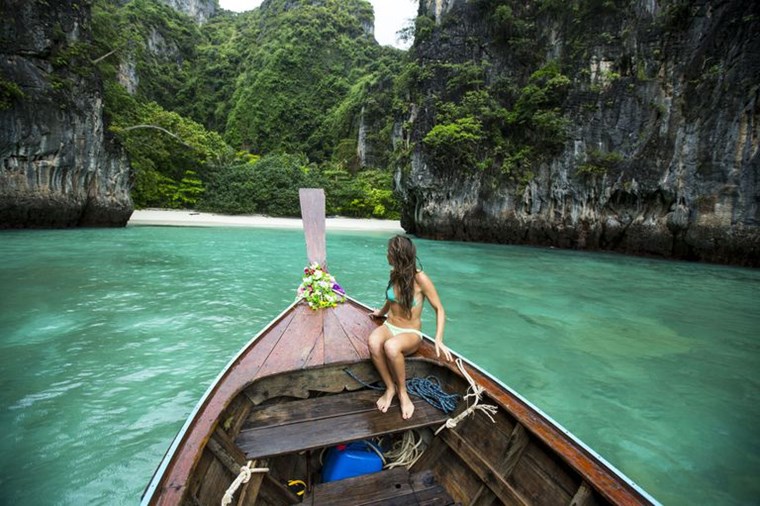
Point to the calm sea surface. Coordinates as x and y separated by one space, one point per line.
108 338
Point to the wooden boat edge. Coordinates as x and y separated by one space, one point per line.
594 468
168 457
550 424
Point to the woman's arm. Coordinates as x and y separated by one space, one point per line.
429 291
380 313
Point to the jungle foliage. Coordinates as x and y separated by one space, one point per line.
232 115
297 92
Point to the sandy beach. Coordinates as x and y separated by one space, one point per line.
188 218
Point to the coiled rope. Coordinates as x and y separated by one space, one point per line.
428 389
406 451
475 391
243 477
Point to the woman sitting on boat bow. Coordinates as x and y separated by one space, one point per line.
400 334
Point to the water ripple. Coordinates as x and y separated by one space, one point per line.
653 364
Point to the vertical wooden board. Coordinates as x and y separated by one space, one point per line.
429 457
252 362
316 356
584 496
196 480
518 441
358 326
386 487
455 477
427 490
215 483
537 478
562 474
234 415
251 497
277 493
485 497
484 470
337 344
488 438
296 343
313 215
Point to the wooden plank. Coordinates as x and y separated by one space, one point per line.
483 469
275 493
536 476
427 490
250 493
584 496
338 347
358 326
518 441
316 356
267 342
223 457
315 408
234 415
455 476
364 421
171 485
298 383
294 347
430 456
206 461
378 487
610 487
215 483
491 448
434 496
229 447
313 216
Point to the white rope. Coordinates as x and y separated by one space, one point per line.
475 391
243 477
405 452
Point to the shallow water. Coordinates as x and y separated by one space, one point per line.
109 337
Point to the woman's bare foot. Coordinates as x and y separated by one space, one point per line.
407 406
384 402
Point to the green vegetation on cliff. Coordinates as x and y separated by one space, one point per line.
218 115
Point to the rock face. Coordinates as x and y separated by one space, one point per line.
661 153
200 10
58 167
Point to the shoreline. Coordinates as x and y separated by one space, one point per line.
190 218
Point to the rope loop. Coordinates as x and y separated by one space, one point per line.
405 452
243 477
474 390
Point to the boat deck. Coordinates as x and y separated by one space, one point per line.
278 429
396 486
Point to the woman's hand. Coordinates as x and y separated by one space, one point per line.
440 347
376 314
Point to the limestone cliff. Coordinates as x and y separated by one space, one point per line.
200 10
643 139
58 167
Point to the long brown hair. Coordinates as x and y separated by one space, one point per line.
402 255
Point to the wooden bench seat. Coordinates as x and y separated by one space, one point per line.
395 486
288 427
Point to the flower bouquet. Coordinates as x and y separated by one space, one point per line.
319 288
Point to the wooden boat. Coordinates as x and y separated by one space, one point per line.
291 393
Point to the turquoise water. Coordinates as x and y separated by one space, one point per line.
109 337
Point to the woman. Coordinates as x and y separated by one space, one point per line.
400 334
